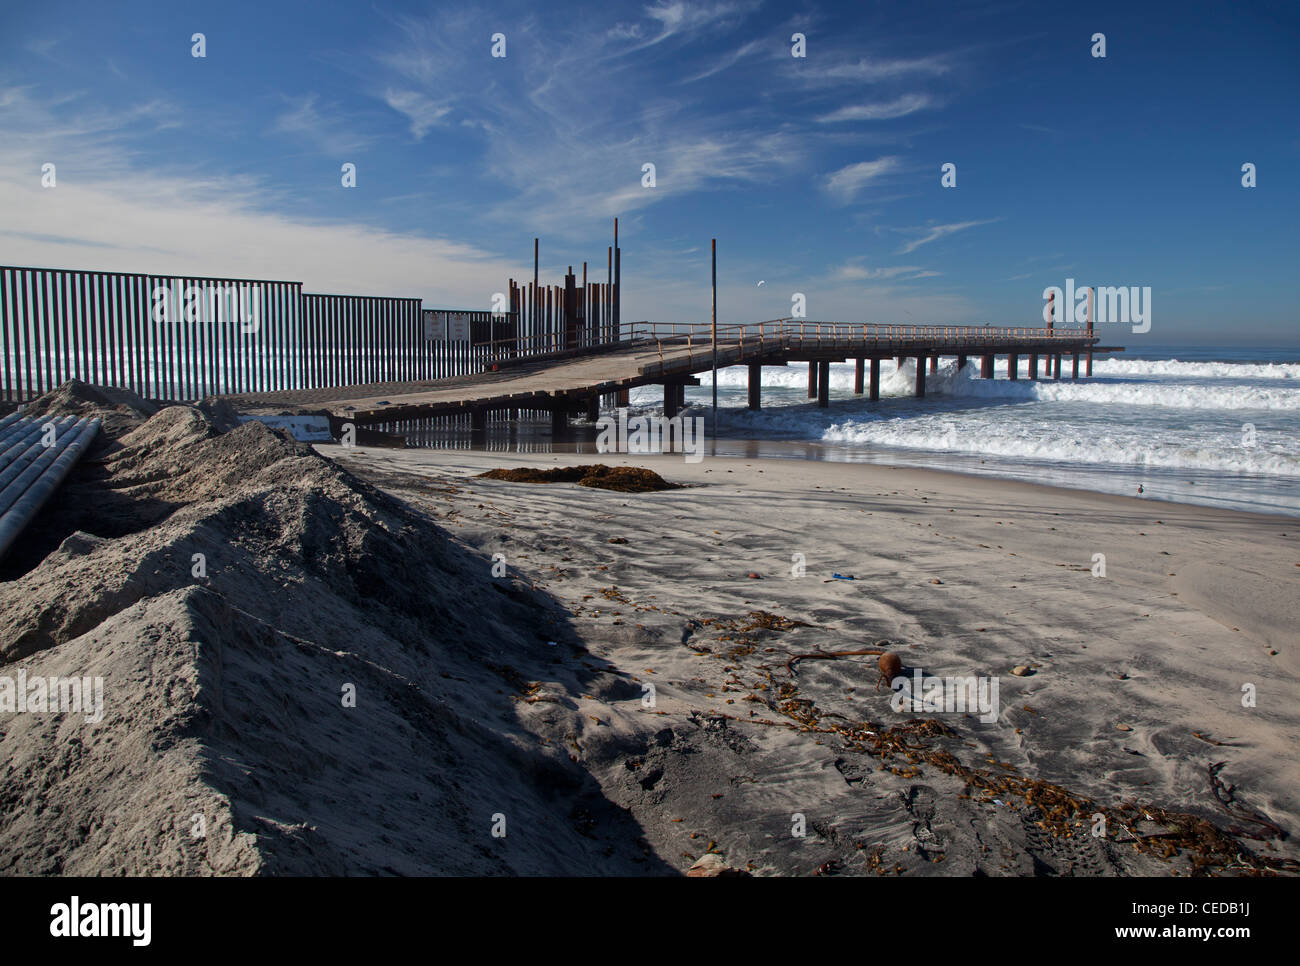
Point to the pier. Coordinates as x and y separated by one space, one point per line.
392 365
673 355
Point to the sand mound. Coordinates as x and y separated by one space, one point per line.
118 408
627 479
300 675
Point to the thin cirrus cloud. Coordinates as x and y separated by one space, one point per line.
678 17
833 72
882 111
845 184
422 113
932 233
855 271
323 130
746 50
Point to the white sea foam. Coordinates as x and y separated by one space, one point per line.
1188 420
1196 370
1104 388
1132 446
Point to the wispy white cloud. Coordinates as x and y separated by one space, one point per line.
725 63
677 17
41 47
845 183
828 71
881 111
422 112
932 233
324 131
856 270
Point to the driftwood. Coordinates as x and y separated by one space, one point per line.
829 656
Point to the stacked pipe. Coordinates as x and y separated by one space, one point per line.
35 457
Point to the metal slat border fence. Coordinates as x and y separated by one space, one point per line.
184 337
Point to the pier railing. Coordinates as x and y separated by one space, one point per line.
746 340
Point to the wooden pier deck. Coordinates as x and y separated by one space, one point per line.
673 355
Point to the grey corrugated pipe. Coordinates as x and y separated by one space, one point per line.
20 456
17 431
49 474
14 444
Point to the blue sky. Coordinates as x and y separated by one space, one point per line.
818 175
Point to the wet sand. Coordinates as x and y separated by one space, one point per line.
1136 677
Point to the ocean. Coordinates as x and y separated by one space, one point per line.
1219 427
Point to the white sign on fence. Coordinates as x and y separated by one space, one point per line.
446 326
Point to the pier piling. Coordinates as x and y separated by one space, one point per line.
875 380
824 384
670 400
857 376
755 385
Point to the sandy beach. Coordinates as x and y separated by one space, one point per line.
1136 677
388 665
